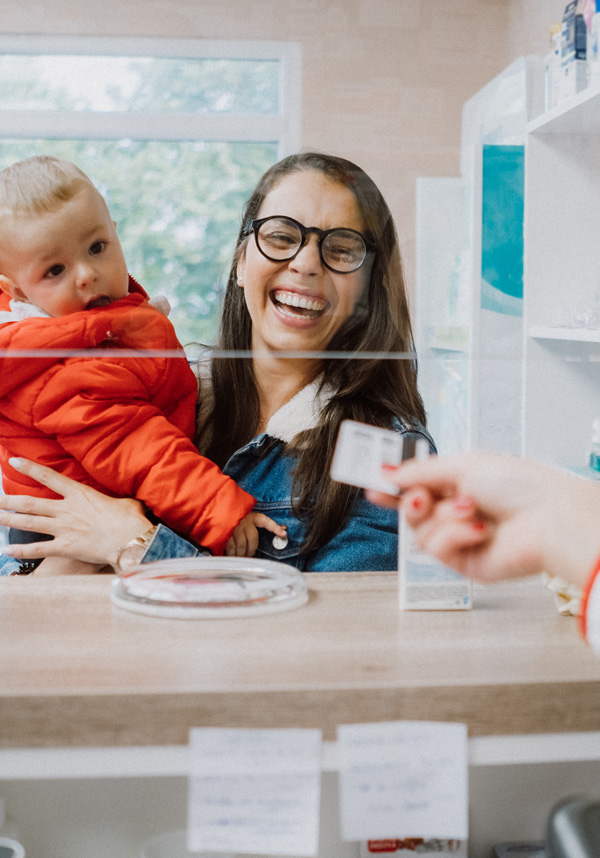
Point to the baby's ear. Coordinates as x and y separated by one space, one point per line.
11 288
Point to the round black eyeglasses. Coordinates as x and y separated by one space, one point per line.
281 238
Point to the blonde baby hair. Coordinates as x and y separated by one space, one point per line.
39 184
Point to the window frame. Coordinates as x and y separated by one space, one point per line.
282 128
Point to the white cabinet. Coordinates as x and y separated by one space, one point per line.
526 385
469 306
443 311
562 281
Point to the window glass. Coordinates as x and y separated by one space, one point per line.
158 84
177 206
175 134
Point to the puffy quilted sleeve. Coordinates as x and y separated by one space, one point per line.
16 370
30 347
100 412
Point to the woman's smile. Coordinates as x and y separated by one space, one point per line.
298 306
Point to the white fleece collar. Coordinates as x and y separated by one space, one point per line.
302 412
19 310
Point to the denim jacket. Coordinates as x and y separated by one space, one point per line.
368 540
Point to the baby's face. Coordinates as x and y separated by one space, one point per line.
67 260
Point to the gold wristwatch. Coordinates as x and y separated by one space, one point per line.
132 553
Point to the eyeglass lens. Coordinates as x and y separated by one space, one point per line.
342 250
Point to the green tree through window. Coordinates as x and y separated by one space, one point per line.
177 197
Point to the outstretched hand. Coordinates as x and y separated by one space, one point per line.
493 516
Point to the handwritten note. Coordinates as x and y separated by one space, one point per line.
255 791
403 778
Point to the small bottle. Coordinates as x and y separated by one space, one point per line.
552 69
8 827
593 55
595 451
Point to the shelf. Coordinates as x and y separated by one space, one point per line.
578 335
174 760
578 115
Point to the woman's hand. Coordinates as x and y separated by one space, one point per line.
86 525
493 516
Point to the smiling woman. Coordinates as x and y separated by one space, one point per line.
303 323
313 366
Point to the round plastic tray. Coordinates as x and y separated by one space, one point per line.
206 587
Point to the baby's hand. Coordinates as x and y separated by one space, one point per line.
244 539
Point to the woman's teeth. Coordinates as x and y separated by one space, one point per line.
299 302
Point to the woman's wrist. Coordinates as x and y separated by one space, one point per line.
591 586
570 536
131 553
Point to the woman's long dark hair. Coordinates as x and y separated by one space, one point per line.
369 389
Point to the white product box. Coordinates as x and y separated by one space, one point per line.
425 584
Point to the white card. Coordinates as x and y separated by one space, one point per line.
362 449
403 777
255 791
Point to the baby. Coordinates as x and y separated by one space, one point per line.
122 422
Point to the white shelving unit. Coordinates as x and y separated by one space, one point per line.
562 281
469 334
443 314
529 385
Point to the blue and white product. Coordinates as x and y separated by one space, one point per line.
593 54
573 51
425 584
595 450
552 69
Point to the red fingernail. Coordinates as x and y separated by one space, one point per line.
478 525
416 502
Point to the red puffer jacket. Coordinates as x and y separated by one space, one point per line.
120 423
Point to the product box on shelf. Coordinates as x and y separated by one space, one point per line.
573 52
593 55
406 847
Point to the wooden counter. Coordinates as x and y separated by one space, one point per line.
77 671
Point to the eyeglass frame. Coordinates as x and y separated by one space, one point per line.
255 226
